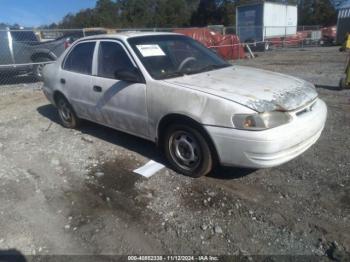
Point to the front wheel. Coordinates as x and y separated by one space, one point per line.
188 151
66 113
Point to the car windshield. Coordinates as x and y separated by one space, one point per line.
168 56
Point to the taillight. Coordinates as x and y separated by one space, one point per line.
67 43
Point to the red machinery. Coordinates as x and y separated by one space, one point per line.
329 35
293 40
227 46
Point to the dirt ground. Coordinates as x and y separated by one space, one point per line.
73 191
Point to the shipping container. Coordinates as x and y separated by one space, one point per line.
263 20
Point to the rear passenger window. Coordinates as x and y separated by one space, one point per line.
79 59
112 58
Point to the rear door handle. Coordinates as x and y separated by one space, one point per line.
97 89
63 81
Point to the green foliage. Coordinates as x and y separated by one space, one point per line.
182 13
170 13
243 2
136 13
317 12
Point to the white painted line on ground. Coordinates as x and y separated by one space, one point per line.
149 169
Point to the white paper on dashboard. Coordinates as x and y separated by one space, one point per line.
150 50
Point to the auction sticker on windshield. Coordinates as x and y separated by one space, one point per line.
150 50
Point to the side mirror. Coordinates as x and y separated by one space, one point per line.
132 76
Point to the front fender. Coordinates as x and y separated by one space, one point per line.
165 99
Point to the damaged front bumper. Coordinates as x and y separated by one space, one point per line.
272 147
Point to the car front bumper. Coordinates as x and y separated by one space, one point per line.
49 94
272 147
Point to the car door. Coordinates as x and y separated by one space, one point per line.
76 81
122 103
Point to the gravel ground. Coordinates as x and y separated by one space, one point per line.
73 191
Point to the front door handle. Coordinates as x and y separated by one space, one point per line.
97 89
63 81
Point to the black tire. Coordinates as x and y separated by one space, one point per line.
66 113
188 151
38 68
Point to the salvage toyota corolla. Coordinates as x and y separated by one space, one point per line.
171 90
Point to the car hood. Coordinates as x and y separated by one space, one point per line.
260 90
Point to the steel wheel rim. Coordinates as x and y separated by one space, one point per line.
39 69
185 150
64 111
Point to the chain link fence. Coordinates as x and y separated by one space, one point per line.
24 52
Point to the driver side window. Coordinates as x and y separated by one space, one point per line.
112 58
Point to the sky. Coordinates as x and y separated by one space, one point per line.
31 13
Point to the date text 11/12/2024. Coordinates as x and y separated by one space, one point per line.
173 258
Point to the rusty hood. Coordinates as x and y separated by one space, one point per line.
257 89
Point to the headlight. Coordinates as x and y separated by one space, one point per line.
260 121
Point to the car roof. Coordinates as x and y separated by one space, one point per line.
126 35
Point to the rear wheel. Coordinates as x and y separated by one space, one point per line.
188 151
66 113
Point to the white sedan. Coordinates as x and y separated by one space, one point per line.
171 90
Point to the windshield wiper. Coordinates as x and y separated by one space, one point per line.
187 72
173 74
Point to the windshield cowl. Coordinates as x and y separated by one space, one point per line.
203 70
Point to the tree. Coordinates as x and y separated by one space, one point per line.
317 12
206 13
172 13
137 13
155 13
183 13
214 12
228 12
107 13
